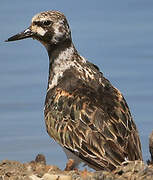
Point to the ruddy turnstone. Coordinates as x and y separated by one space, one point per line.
84 113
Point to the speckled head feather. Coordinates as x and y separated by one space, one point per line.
50 27
84 113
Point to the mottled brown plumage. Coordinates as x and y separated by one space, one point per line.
84 113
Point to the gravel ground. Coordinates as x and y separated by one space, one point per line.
39 170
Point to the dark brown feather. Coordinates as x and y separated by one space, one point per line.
93 119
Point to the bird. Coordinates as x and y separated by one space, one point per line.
84 113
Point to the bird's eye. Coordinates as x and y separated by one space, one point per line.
37 23
47 23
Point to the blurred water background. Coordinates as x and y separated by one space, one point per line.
115 35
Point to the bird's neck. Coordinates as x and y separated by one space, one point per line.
61 58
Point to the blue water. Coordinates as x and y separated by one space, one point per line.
115 35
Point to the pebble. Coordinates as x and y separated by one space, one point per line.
48 176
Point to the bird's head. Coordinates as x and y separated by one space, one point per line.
50 28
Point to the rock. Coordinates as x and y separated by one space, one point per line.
151 146
56 177
40 158
34 177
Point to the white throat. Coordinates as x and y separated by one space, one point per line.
61 63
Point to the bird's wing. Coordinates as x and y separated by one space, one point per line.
93 121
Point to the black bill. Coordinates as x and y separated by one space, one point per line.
25 34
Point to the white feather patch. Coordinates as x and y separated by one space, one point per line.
65 61
41 31
61 64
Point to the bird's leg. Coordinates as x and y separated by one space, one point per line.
70 165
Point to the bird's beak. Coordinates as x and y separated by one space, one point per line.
22 35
